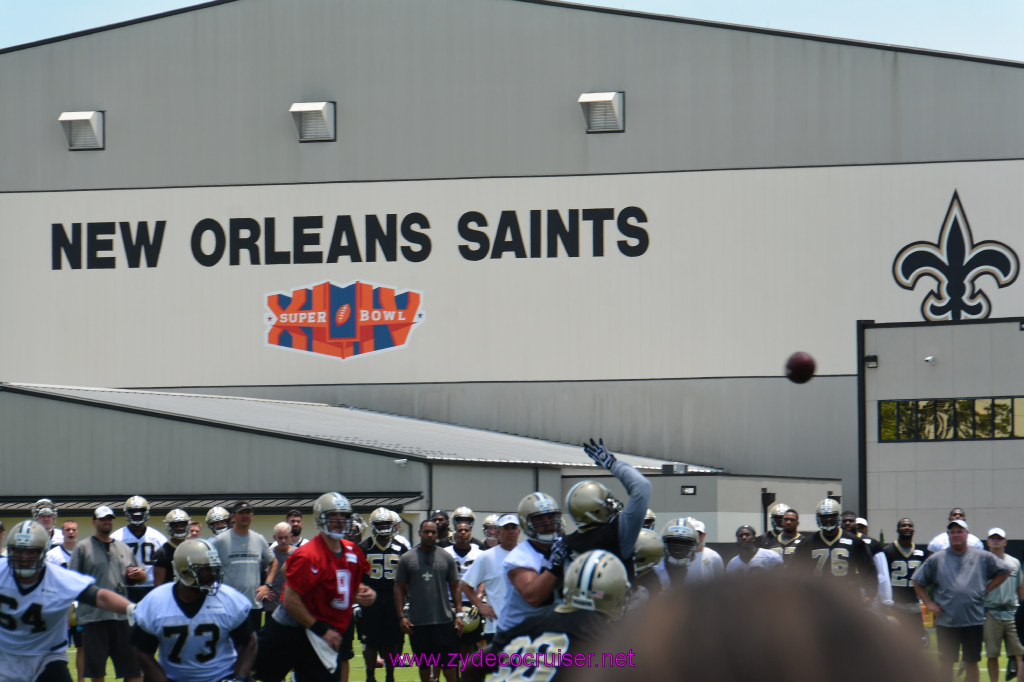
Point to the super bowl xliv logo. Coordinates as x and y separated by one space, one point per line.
342 320
956 262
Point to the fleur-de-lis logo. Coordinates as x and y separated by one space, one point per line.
956 263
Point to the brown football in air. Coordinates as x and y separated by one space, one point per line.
800 367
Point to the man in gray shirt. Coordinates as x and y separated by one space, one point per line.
244 554
962 576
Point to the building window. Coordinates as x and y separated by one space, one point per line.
950 419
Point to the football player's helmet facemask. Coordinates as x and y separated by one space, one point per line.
356 529
136 510
463 515
382 527
491 526
44 507
26 549
333 515
176 522
597 581
648 550
650 519
590 502
197 565
540 518
775 514
828 513
680 542
217 520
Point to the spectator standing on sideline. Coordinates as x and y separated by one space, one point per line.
244 554
294 520
282 549
1001 608
961 576
195 529
114 566
428 579
487 571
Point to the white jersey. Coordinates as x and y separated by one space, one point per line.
464 562
58 555
37 623
487 570
56 537
941 542
517 609
403 541
763 559
199 649
144 548
706 565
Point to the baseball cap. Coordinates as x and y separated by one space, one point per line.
996 531
507 519
861 521
957 522
697 525
103 512
241 505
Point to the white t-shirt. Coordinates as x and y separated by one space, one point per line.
208 653
37 623
144 548
518 609
706 565
487 570
941 542
763 559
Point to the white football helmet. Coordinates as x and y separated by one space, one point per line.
597 581
382 527
136 510
330 503
197 564
534 506
680 542
775 513
648 551
828 514
176 522
217 520
27 544
591 502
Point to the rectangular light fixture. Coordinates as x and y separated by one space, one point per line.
314 121
83 129
603 112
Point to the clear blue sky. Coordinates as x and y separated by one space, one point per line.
990 28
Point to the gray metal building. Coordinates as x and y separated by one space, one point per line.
617 224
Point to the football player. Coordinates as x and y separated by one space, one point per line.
706 564
444 535
602 521
44 511
650 519
648 552
750 556
143 540
775 515
903 558
36 595
200 626
680 541
789 536
177 523
834 554
324 581
378 625
217 520
596 591
399 538
491 529
465 553
532 569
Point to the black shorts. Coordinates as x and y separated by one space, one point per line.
345 652
75 636
472 638
951 639
283 648
380 626
109 638
434 639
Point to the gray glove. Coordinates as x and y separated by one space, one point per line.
599 453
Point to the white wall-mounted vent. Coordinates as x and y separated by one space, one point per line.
83 129
603 112
314 121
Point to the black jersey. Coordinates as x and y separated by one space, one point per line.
604 536
845 557
902 563
780 545
383 564
874 545
559 639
